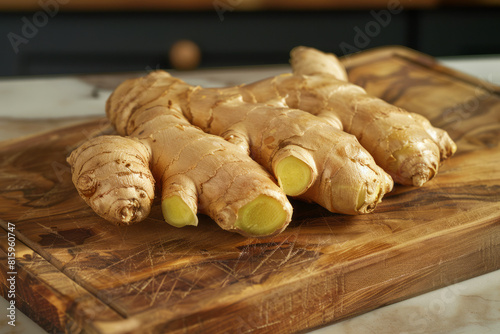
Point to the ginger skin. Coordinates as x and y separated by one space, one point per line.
111 173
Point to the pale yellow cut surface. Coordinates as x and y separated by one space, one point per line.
262 216
177 213
293 175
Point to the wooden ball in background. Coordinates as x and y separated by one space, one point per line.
184 55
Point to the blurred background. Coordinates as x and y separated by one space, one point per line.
93 36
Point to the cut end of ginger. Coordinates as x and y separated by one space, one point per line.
294 176
262 216
177 213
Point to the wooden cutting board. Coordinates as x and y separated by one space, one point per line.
77 272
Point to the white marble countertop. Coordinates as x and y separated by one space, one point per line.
32 105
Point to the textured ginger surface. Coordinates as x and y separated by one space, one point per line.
236 153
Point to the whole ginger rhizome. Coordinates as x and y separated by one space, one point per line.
236 153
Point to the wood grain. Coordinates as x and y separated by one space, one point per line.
48 296
152 277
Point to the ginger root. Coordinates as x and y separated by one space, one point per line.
322 138
404 144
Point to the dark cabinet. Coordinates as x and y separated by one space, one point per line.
71 42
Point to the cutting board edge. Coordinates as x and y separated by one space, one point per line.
37 270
